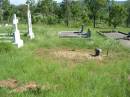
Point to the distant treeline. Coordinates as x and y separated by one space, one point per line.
70 12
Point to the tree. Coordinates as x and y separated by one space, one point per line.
1 3
110 3
75 10
7 10
46 7
117 14
94 6
30 2
1 11
127 5
22 12
66 11
47 10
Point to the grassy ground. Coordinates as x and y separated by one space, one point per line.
74 78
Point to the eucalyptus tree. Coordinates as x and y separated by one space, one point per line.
1 11
47 11
7 10
65 6
75 9
117 15
46 7
94 6
127 5
31 2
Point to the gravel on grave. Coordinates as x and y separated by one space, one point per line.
120 36
115 35
69 34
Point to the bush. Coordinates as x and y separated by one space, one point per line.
76 24
39 18
52 19
86 20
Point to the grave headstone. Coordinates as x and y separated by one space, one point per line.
98 51
30 32
17 40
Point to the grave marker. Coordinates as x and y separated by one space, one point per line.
17 40
30 32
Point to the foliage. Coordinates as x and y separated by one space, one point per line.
127 5
7 10
66 11
69 12
117 14
5 47
94 7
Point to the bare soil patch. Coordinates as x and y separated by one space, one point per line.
79 55
31 86
10 83
67 54
16 87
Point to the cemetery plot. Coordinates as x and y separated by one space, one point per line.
69 34
67 54
125 43
74 34
77 34
114 35
122 37
15 37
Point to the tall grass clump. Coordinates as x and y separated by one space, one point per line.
6 47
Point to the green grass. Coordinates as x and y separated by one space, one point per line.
87 78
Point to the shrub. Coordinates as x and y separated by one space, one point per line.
52 19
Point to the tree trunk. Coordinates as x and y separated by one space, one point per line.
127 23
109 24
67 22
67 13
94 21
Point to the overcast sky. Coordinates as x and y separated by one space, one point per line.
23 1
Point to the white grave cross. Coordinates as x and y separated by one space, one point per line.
18 41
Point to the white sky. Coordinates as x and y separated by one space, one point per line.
23 1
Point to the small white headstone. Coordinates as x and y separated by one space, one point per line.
18 41
30 32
